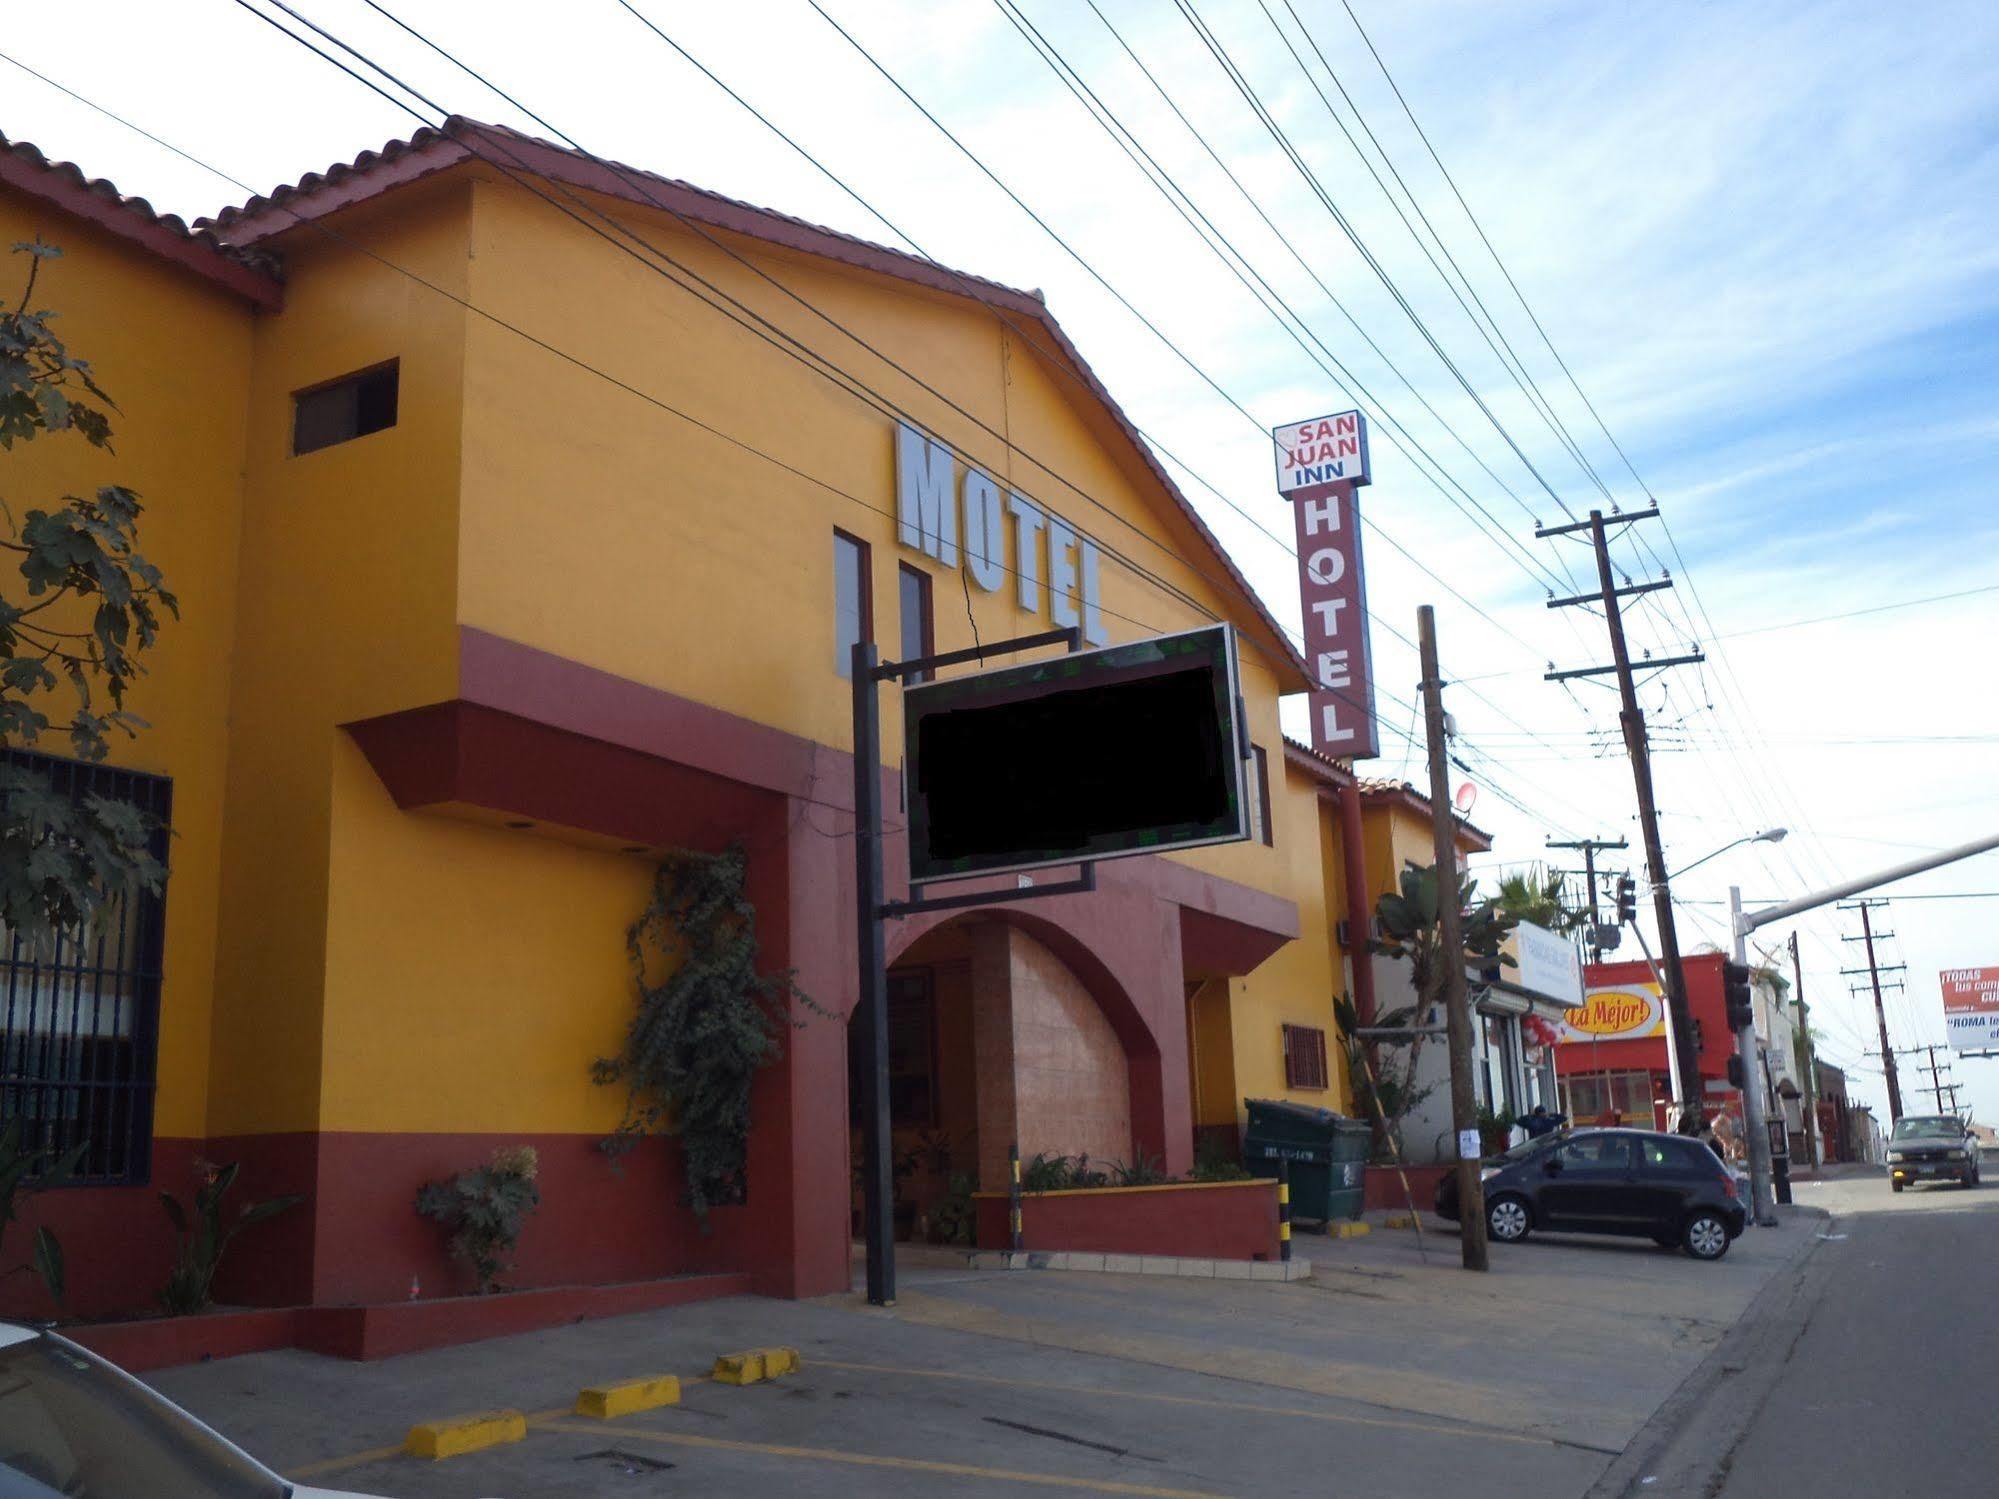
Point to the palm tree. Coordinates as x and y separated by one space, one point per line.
1539 896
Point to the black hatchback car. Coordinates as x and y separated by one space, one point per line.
1639 1183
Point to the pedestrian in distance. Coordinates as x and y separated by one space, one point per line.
1540 1122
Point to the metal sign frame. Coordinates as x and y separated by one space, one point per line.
1070 673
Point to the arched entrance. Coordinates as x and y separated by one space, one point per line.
994 1038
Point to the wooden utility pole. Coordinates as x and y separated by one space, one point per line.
1451 950
1693 1101
1811 1059
1881 1016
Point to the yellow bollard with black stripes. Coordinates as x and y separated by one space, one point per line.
1013 1196
1283 1209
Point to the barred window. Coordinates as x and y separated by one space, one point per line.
1304 1057
79 1019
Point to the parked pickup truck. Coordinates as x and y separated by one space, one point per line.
1932 1147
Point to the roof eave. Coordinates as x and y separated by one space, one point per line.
431 151
64 186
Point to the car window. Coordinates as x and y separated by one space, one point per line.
1929 1127
72 1425
1596 1153
1663 1153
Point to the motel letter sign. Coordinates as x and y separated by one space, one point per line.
1321 465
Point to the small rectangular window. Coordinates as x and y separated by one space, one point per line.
853 600
1260 801
1304 1057
918 629
344 409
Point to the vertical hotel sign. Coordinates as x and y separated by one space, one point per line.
1321 465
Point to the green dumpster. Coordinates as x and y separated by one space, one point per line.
1327 1153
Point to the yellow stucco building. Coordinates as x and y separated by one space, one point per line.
522 509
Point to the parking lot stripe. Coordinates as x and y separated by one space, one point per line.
351 1460
872 1460
1453 1429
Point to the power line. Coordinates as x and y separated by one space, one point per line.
513 328
1507 355
533 339
1248 91
819 358
1723 668
1262 290
1284 239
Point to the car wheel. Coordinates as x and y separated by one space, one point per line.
1705 1236
1507 1219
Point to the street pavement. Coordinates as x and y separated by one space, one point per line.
1392 1372
1868 1367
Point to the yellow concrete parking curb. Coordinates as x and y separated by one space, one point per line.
456 1435
755 1365
1399 1220
633 1395
1347 1229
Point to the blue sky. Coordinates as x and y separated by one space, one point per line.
1765 237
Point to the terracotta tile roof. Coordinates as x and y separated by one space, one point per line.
461 140
1379 785
1325 767
25 166
516 151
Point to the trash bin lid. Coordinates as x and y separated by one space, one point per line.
1282 1118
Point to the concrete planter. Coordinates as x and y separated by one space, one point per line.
385 1329
1207 1220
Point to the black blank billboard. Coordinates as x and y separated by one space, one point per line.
1126 750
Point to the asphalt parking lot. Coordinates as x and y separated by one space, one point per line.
1392 1368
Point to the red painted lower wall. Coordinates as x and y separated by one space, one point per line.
1384 1187
1223 1221
358 1239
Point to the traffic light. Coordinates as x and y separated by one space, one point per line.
1735 1073
1627 899
1735 995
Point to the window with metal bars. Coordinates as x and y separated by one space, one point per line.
79 1019
1304 1057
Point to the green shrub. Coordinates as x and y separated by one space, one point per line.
205 1237
1144 1171
1215 1162
954 1218
25 1169
485 1209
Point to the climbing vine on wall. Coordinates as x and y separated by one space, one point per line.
706 1022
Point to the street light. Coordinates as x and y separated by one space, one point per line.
1768 835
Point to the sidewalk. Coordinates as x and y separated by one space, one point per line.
1392 1367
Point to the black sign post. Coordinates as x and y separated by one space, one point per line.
1025 768
870 910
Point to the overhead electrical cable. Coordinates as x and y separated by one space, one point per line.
1250 95
1179 595
1503 350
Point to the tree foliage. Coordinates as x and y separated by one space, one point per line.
707 1021
1383 1074
1411 933
1540 897
86 608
